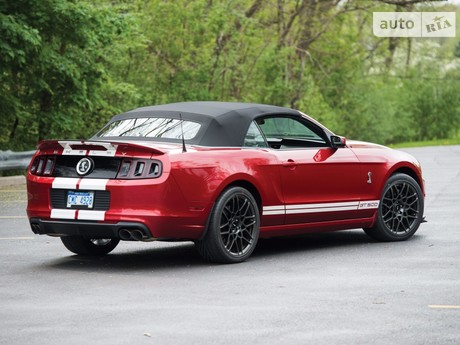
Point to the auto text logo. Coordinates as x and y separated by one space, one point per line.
414 24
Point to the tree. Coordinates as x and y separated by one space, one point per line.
51 67
67 66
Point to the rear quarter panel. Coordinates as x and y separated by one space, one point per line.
203 175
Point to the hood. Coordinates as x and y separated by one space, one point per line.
355 144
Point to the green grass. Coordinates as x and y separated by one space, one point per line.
439 142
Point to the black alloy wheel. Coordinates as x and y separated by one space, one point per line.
400 211
233 228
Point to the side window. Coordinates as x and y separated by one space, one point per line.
254 138
287 132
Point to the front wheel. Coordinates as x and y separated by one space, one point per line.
400 210
90 247
233 228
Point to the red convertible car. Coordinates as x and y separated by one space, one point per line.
222 175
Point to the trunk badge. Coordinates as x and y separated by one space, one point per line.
84 166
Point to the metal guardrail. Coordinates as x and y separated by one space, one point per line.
10 160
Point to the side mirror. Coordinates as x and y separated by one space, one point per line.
338 141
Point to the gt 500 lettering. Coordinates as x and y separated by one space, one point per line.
368 204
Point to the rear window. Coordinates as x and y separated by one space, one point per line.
151 127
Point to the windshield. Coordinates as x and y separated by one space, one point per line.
151 127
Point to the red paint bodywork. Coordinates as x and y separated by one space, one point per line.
176 206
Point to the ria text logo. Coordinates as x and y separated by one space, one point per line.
414 24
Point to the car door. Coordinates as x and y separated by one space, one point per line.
320 183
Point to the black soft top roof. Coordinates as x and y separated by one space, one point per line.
223 123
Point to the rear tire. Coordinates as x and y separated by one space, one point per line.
89 247
400 210
233 229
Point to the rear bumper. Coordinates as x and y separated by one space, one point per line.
119 230
158 209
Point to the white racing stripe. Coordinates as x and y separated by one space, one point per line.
109 152
272 213
323 205
93 184
63 214
65 183
273 210
91 215
69 151
320 208
58 213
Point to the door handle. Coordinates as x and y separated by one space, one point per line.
290 163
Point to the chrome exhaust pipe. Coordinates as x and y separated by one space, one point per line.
125 234
137 235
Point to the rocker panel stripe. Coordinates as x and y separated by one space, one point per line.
320 207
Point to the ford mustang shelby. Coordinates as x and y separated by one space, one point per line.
221 175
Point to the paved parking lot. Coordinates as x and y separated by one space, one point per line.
335 288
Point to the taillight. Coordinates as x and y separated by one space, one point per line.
124 170
43 165
33 167
49 166
139 168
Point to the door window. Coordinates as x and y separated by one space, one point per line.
254 137
288 133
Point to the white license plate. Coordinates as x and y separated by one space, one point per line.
80 199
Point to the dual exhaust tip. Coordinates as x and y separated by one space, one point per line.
133 235
35 228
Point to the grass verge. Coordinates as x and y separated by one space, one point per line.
439 142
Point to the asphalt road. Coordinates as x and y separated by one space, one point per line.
335 288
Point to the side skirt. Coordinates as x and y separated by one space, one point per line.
298 229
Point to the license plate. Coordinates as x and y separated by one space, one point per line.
80 199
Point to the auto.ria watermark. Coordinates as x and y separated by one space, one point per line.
414 24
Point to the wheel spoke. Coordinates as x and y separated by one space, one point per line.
224 225
229 245
410 203
247 232
386 214
413 210
406 224
250 224
244 205
227 212
408 191
394 224
241 246
248 240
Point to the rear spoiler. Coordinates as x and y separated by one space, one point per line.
97 148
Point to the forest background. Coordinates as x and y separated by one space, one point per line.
66 66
